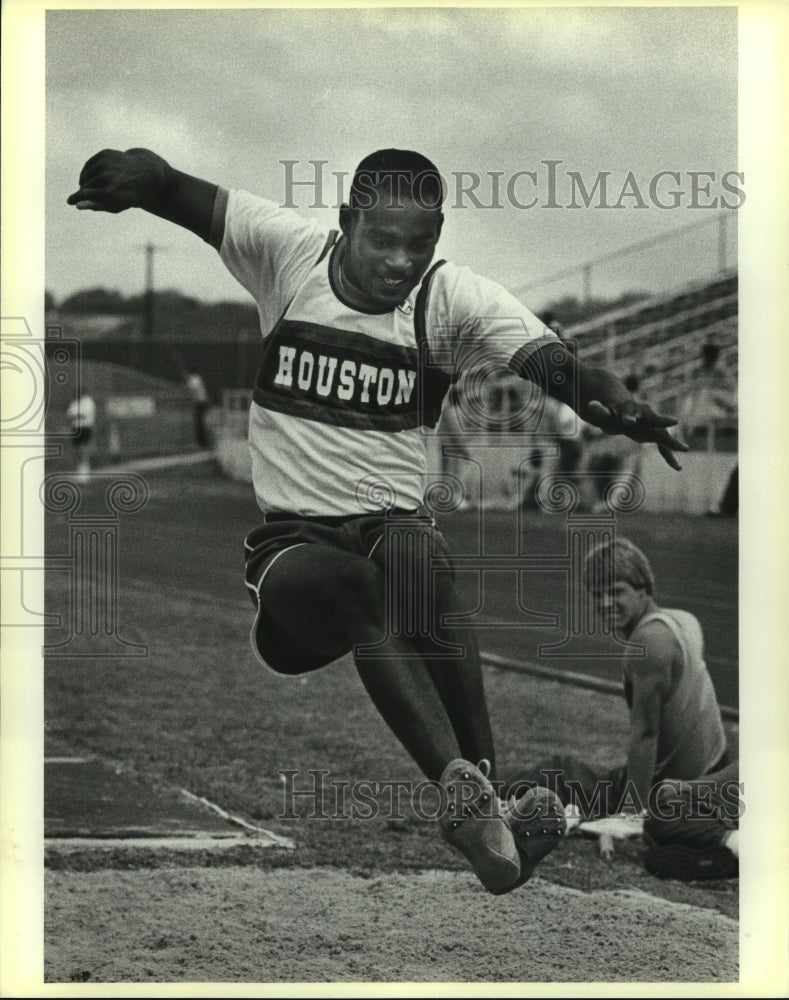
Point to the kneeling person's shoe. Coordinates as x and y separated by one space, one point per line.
690 864
474 824
538 822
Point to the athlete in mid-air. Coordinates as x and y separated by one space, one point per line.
362 340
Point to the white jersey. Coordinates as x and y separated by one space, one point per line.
343 397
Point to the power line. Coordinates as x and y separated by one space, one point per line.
585 267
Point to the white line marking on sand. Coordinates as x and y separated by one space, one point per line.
197 843
68 760
238 821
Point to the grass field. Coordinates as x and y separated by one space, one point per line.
188 538
199 713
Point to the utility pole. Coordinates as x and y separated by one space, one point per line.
723 254
150 250
587 281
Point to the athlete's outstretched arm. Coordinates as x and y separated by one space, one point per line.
598 397
112 181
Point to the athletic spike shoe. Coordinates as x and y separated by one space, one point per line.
691 864
538 823
473 823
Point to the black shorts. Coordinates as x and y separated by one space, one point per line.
361 535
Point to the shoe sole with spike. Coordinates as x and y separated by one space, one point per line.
538 823
474 824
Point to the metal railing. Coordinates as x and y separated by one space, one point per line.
707 254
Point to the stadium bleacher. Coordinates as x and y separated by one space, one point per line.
660 338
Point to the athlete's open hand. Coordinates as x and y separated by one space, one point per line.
112 181
639 422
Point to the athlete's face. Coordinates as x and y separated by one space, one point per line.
389 248
620 605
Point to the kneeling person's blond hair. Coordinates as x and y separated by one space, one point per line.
618 560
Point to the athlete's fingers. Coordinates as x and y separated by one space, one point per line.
597 411
88 177
628 412
669 456
663 436
98 176
96 159
656 419
89 198
88 170
82 194
90 192
668 445
673 442
619 418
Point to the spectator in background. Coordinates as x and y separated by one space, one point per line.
199 394
81 415
560 422
710 403
708 414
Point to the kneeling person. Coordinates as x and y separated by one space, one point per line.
676 730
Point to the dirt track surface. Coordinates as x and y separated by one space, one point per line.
326 925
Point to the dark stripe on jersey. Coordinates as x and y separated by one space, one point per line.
420 310
339 377
435 384
335 339
295 406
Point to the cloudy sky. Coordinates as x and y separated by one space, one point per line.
230 95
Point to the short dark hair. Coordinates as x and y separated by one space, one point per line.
403 173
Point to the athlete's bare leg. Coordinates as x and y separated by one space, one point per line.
450 653
329 602
452 658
